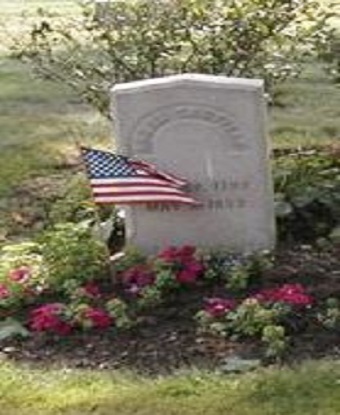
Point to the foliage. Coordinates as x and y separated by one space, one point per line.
22 275
236 271
150 280
151 38
72 255
59 287
331 57
264 315
329 317
307 192
10 327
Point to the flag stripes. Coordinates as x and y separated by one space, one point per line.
116 179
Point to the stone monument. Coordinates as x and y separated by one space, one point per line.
211 131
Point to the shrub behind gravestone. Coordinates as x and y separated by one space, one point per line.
151 38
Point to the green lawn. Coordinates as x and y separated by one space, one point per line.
40 121
313 389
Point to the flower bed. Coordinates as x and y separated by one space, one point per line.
222 296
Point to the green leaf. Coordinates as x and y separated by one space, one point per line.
283 209
12 328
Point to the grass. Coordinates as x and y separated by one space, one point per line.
39 121
313 389
309 113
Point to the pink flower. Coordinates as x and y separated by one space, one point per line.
4 292
137 277
186 276
20 275
186 251
189 271
293 294
48 318
91 290
62 328
185 266
180 254
169 254
218 307
99 318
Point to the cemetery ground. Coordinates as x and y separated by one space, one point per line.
41 183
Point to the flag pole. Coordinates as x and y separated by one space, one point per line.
97 218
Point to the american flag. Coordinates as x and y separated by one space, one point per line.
116 179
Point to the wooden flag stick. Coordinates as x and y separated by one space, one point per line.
100 226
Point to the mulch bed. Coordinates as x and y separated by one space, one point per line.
168 339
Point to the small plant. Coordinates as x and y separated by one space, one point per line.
330 316
307 193
275 340
72 256
88 317
236 271
22 275
149 281
52 318
118 311
262 316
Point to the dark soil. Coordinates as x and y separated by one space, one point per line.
168 339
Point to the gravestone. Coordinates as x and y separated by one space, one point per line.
211 131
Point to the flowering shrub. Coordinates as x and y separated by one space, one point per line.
291 294
52 318
263 315
87 317
219 307
22 275
181 263
136 278
86 301
149 280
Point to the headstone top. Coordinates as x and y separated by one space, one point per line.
191 79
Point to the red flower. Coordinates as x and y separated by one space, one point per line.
137 277
48 318
4 292
91 290
169 254
62 328
190 272
293 294
181 254
218 307
99 318
186 267
21 274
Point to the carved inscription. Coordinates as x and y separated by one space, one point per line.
212 196
147 126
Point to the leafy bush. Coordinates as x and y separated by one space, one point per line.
237 272
72 256
75 205
152 38
150 280
307 192
264 315
22 275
